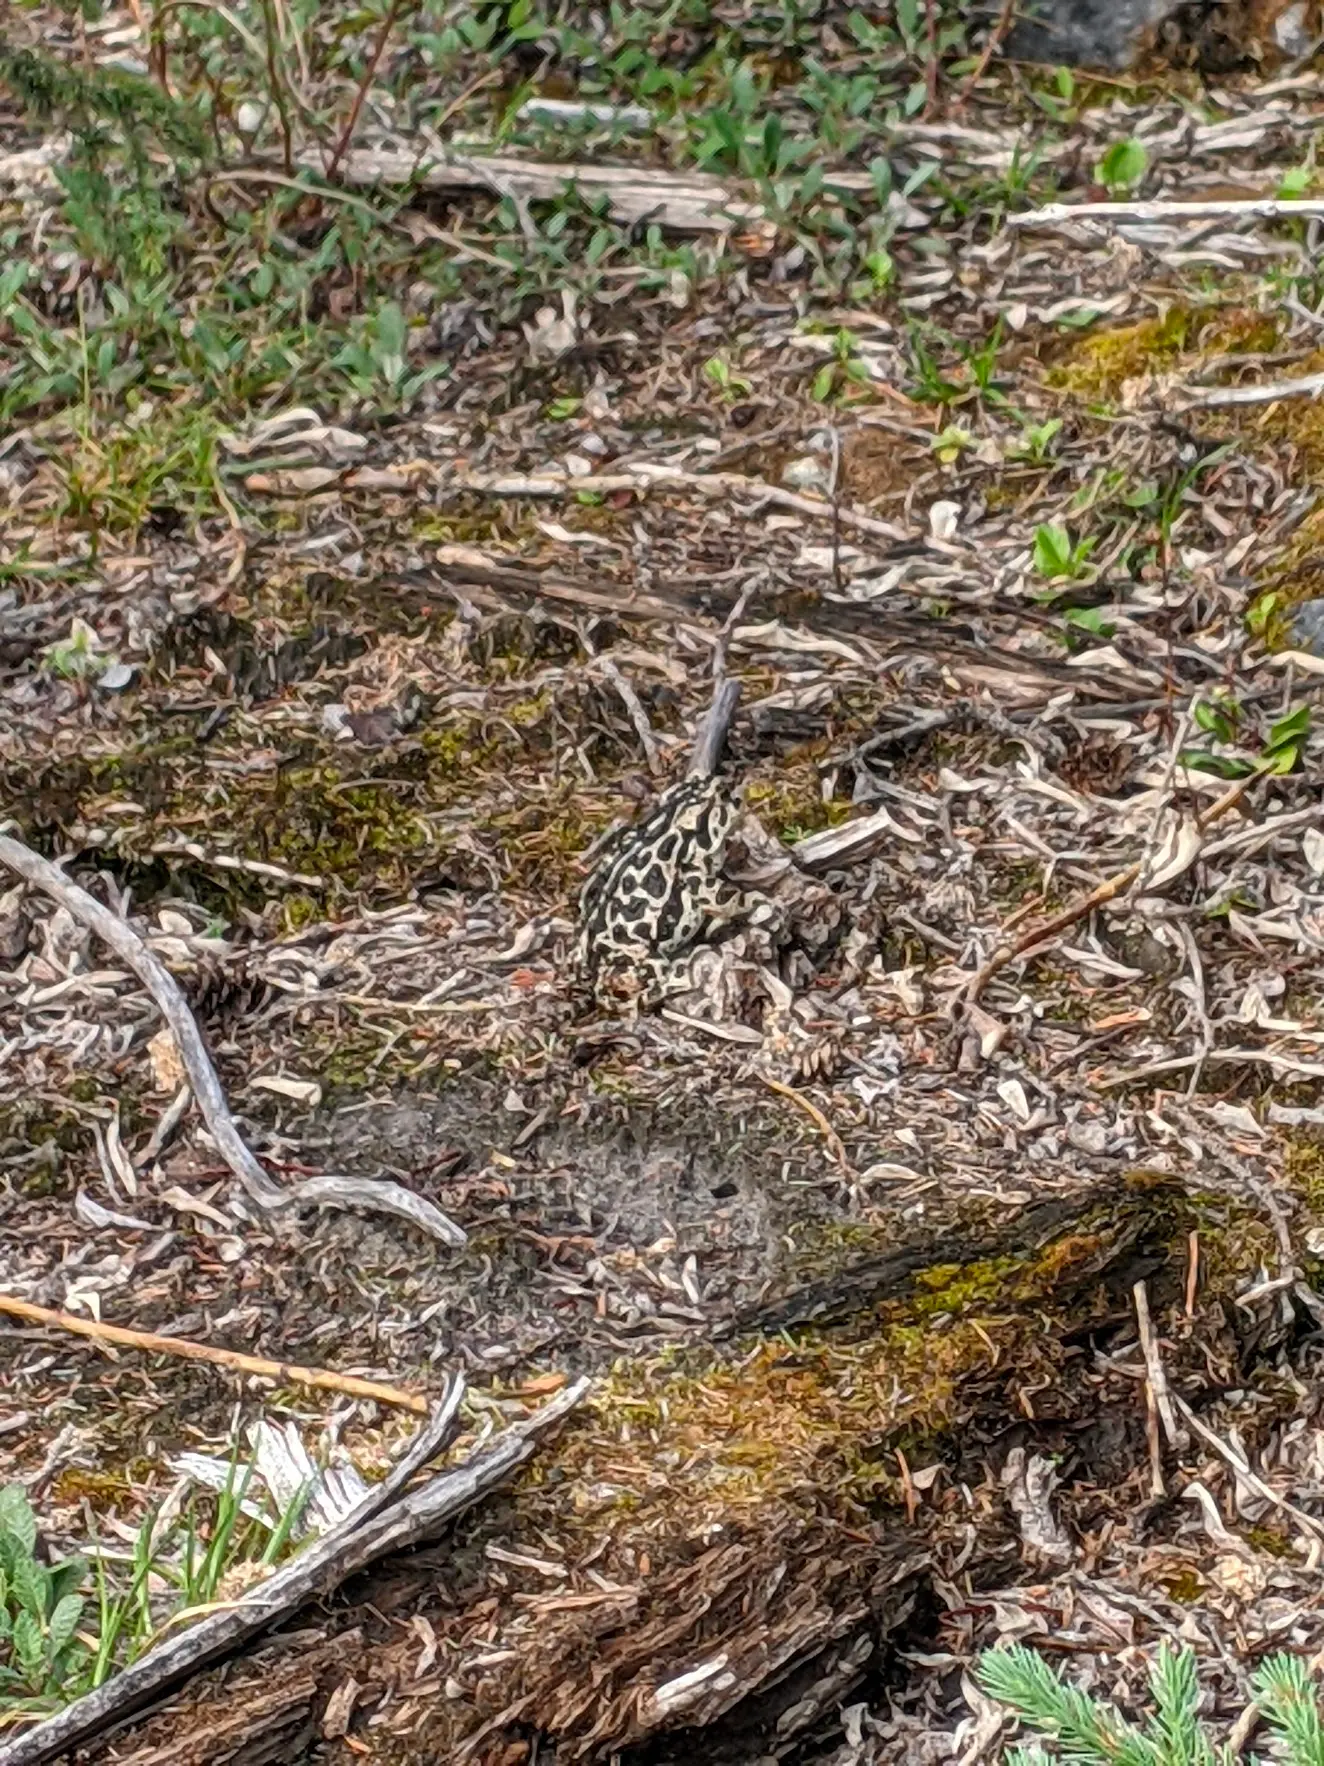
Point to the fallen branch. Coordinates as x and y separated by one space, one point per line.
1210 398
379 1526
1105 214
154 1344
707 484
333 1191
1084 905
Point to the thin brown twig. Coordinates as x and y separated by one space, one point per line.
286 1373
276 80
995 39
341 147
830 1135
1084 905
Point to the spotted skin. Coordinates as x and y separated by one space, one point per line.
654 892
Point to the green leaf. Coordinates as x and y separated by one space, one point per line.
1090 619
881 267
1289 730
561 410
1222 766
823 382
1212 721
1280 760
29 1646
32 1588
1123 165
1052 550
17 1518
1295 182
67 1577
64 1622
391 329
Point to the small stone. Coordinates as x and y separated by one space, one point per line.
578 466
943 520
1307 628
808 473
248 117
117 677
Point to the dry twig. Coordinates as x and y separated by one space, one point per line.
329 1189
155 1344
816 1116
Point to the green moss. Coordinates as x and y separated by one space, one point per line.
1186 1587
1098 365
1303 1166
791 804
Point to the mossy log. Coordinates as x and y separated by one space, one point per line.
725 1542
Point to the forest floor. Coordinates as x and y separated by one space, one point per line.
365 550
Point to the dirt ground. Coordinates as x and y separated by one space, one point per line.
357 580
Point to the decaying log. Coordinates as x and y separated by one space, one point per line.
721 1552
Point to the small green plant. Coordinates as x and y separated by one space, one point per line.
79 657
841 371
563 409
950 443
1260 614
1059 102
1122 167
1087 1731
1091 621
375 361
1057 555
719 373
1222 720
40 1610
1036 441
1298 180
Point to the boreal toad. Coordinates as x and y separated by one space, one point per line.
655 891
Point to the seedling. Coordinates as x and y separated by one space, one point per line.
1222 720
1122 167
951 443
719 373
1091 620
1057 555
843 370
1036 441
79 657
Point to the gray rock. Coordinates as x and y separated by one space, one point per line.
1085 33
1307 629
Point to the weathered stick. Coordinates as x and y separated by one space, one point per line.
361 1539
343 1192
1269 208
287 1372
1268 392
